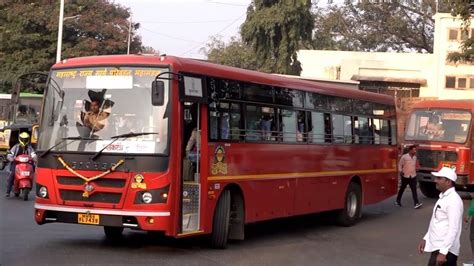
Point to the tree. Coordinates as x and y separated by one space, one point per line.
386 26
464 9
276 29
29 33
235 53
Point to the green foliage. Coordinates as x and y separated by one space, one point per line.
366 26
235 53
276 29
29 33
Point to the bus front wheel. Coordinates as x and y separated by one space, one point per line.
429 189
352 206
220 226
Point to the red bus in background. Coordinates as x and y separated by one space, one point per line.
262 147
443 129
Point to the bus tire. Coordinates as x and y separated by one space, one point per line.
220 225
352 206
429 189
113 233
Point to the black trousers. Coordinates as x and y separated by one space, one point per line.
412 183
451 259
11 177
471 235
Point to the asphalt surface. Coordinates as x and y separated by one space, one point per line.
386 235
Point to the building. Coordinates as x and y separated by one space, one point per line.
410 77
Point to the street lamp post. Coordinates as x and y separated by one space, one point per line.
60 31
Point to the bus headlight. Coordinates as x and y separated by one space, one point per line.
147 197
43 192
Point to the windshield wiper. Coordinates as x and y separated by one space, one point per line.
125 136
62 141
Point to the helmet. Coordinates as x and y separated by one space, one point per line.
24 139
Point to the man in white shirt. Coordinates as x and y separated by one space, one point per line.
442 238
407 168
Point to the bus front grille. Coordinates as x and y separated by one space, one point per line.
102 182
432 158
105 197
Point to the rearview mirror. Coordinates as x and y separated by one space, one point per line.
157 93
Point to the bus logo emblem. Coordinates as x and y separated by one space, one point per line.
219 166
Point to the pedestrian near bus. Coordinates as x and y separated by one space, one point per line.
407 167
444 232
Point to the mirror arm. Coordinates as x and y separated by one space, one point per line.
178 76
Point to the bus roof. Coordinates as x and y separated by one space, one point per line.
204 67
446 104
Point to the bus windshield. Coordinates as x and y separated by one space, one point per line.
99 103
439 125
28 109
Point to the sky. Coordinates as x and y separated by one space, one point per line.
183 27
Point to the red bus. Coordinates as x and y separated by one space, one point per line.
443 129
260 147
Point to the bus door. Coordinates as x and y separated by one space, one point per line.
191 187
193 94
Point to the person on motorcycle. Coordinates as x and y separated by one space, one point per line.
22 147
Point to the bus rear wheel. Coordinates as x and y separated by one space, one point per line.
220 225
429 189
352 206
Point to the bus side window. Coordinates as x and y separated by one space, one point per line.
225 122
393 132
338 128
316 127
327 128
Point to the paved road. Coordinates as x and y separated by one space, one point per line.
387 235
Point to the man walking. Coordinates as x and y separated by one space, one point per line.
407 168
444 232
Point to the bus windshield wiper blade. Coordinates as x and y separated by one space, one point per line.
125 136
62 141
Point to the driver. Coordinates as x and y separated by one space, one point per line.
95 119
22 147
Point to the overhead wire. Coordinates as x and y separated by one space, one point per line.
222 30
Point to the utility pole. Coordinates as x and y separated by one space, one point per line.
60 31
129 34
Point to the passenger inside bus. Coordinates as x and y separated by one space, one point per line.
191 141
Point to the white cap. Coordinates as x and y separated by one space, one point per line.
446 172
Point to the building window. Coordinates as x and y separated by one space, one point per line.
462 82
453 34
450 82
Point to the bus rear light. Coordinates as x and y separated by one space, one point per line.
38 213
150 220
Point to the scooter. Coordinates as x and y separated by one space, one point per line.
24 173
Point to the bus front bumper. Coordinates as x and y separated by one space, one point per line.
428 177
141 220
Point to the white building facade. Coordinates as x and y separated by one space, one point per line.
406 75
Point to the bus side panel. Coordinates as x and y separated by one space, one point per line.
282 180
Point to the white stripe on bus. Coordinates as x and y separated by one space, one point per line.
99 211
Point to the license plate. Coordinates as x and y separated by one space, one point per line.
84 218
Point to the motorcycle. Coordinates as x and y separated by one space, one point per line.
24 172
